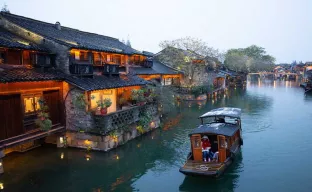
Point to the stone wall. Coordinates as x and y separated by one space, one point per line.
83 130
77 119
119 119
105 142
61 51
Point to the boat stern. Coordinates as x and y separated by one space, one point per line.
207 169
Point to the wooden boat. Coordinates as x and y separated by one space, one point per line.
223 128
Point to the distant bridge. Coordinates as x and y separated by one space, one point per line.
286 75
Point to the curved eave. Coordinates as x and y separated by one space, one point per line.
224 111
220 115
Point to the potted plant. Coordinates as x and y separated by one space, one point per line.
43 121
137 97
134 96
103 105
147 92
141 99
122 101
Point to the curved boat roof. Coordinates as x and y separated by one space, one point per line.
224 111
216 129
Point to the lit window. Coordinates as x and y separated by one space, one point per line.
168 81
31 103
95 97
97 58
77 55
37 105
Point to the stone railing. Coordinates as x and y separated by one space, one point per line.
118 119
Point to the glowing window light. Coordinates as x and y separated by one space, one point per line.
61 140
153 124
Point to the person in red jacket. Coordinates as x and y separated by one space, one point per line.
206 146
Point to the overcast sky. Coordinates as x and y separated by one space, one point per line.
283 27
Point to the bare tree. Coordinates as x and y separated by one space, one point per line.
181 54
193 44
5 9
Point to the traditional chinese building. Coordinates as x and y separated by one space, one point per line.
159 72
24 79
73 71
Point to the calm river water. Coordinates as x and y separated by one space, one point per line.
276 156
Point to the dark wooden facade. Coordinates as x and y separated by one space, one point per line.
11 116
19 106
25 57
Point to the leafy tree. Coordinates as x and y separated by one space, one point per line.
250 59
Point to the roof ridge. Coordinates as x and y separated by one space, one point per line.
169 66
35 20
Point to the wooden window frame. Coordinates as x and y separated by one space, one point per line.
30 95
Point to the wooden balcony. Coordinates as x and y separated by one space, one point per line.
145 63
118 119
110 69
81 69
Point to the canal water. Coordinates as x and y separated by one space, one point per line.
276 156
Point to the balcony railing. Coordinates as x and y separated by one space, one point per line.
110 69
146 63
81 69
118 119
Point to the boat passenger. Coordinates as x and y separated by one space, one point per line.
206 146
215 157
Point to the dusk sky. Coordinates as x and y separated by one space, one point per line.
283 27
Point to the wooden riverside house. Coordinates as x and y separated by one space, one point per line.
22 84
60 64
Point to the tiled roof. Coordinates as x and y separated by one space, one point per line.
104 82
149 54
20 74
143 71
9 74
72 38
158 68
9 40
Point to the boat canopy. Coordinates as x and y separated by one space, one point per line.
216 129
224 111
